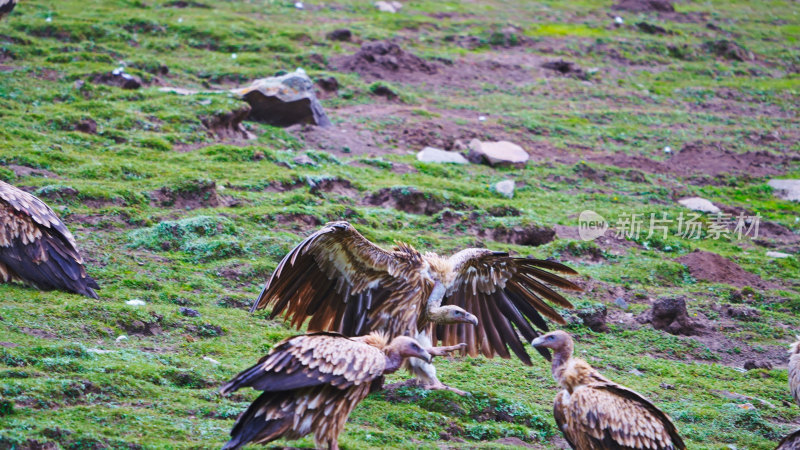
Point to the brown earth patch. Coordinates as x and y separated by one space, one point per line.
338 186
714 268
702 160
200 194
228 125
298 221
531 235
38 333
407 199
645 5
383 60
25 171
609 243
140 328
670 315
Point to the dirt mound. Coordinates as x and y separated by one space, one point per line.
338 186
645 6
532 235
188 195
407 199
228 125
712 267
701 160
565 68
383 60
670 315
301 221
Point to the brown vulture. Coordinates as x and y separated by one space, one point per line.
792 441
6 6
36 248
339 281
312 382
594 413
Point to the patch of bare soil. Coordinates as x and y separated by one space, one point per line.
185 4
702 160
383 60
712 267
203 194
531 235
228 125
340 140
38 333
609 243
645 5
25 171
298 221
407 199
338 186
140 328
670 315
775 235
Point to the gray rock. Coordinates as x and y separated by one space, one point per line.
435 155
304 160
779 255
621 303
188 312
390 7
699 204
505 188
502 153
786 189
285 100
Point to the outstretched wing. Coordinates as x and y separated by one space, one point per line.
507 294
312 360
340 280
607 415
36 247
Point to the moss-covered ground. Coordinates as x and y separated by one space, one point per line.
67 377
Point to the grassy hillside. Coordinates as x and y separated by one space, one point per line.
175 214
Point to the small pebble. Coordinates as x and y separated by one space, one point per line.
121 338
135 302
298 5
618 20
668 149
234 56
211 360
188 312
482 118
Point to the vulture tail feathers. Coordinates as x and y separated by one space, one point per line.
251 426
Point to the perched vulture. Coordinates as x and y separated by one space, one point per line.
6 6
594 413
312 382
489 300
36 248
792 441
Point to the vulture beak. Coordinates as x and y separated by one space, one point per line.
472 319
538 341
425 356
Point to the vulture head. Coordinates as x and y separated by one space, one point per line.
558 341
408 347
451 314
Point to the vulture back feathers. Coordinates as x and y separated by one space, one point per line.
794 370
337 280
311 383
594 413
6 6
36 248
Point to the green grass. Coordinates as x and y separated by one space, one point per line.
65 376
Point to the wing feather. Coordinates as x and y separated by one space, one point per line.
508 295
337 279
312 360
37 248
608 415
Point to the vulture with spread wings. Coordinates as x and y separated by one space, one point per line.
594 413
36 248
339 281
312 382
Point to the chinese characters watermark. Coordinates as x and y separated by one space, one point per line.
592 225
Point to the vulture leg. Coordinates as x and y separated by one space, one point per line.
426 372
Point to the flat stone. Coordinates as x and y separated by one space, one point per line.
435 155
786 189
501 153
779 255
304 160
505 188
699 204
284 101
390 7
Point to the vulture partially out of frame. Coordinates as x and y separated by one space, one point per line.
792 441
489 300
594 413
6 6
36 248
312 382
